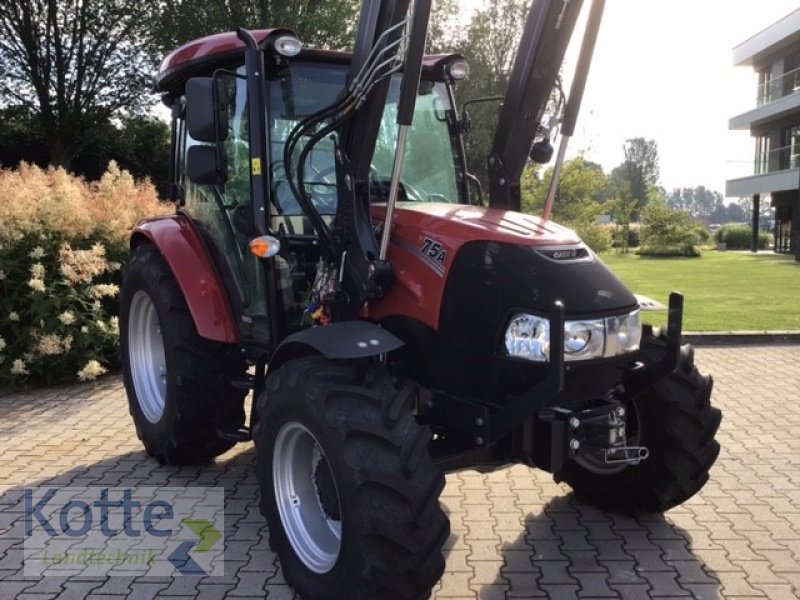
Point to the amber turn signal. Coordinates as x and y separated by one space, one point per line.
265 246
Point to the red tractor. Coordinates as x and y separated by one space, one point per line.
332 254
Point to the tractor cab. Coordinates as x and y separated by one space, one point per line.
211 176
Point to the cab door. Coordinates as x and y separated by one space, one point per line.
223 213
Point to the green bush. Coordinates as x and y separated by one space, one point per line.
688 250
618 233
667 232
597 237
704 236
738 237
62 244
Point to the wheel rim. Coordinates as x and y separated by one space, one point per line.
310 511
147 358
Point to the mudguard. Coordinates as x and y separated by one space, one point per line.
342 340
183 249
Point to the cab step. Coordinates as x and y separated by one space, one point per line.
242 434
248 382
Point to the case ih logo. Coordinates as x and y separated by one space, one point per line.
565 253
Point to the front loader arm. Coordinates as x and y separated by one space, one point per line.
544 42
385 43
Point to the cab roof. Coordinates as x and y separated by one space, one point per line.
225 50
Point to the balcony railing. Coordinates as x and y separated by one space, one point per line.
778 159
786 84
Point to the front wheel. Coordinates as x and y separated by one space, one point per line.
677 423
347 484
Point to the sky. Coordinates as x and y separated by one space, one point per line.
663 69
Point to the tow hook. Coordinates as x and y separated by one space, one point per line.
603 429
561 434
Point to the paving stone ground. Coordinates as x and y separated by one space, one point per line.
515 533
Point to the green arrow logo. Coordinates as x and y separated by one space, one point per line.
205 531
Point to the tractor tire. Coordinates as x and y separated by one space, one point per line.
675 420
347 485
176 381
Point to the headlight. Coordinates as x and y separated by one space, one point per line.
584 339
626 330
528 336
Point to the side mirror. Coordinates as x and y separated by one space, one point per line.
542 152
206 166
206 110
464 123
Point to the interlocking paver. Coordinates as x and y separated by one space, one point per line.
623 573
632 592
515 533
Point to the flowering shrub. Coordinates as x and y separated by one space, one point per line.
62 244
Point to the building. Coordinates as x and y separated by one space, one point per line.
774 123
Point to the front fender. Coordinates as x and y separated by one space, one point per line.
181 246
342 340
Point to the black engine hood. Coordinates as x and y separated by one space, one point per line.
489 282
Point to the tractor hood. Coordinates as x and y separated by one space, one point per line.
458 224
466 252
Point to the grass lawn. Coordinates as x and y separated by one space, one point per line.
723 291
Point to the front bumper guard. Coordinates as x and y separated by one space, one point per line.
546 426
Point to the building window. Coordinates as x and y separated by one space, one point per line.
764 86
794 146
762 155
789 152
791 74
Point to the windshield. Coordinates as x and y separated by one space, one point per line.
431 172
300 91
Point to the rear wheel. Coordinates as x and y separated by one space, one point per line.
677 423
347 484
176 381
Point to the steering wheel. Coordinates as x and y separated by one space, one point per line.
412 193
323 175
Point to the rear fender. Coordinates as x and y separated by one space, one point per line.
183 249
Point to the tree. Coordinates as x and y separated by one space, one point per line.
639 171
667 232
143 150
322 23
622 207
581 186
489 45
740 212
75 64
577 203
698 201
444 26
139 144
21 138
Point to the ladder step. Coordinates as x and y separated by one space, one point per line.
237 435
246 383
